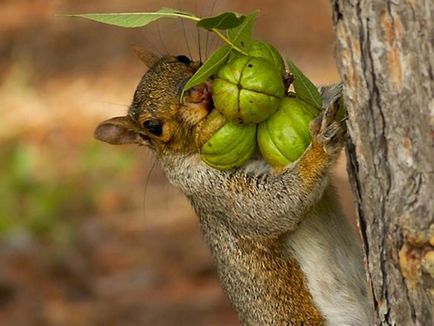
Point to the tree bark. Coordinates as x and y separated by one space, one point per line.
386 61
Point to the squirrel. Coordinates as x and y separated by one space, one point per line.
284 251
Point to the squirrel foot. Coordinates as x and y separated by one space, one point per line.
327 132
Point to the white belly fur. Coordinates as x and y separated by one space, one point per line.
327 250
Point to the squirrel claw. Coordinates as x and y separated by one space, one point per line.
327 131
329 115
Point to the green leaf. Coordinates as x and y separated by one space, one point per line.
304 88
136 19
225 20
209 68
241 36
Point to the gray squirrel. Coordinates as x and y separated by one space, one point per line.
284 251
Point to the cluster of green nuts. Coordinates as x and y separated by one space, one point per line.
253 110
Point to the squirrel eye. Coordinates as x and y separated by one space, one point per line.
183 59
154 127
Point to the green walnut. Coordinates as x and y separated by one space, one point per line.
248 89
228 147
285 135
266 51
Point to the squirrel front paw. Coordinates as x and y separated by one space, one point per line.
327 131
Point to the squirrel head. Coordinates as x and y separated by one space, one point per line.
157 117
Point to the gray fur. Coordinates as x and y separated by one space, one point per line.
256 203
283 249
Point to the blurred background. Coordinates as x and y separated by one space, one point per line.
92 234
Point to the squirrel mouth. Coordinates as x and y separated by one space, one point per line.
199 100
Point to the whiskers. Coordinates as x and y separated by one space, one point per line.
148 44
147 179
176 37
166 51
208 34
164 38
126 106
204 41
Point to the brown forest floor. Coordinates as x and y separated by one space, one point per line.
91 234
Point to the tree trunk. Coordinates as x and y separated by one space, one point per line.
386 60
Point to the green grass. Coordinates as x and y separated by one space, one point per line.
42 195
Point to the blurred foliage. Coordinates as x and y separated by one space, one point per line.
40 196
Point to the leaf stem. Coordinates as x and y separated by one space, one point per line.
194 18
226 40
217 32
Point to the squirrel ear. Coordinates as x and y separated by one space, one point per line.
147 57
118 131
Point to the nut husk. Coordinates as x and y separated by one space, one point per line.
284 137
248 90
228 145
261 49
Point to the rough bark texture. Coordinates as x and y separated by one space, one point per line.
386 59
